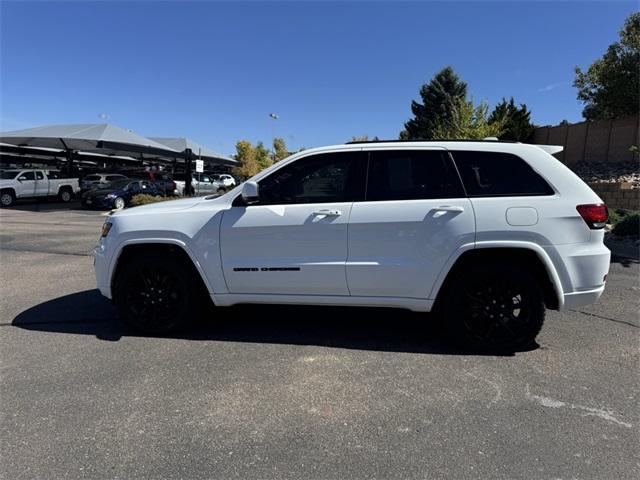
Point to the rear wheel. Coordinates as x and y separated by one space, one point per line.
495 308
156 294
7 198
64 196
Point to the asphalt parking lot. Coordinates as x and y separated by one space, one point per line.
279 392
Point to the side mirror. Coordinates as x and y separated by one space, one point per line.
22 179
250 193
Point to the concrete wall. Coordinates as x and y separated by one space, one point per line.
596 141
615 195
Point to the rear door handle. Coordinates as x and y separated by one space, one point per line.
450 208
328 213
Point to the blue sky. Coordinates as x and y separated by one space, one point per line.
213 71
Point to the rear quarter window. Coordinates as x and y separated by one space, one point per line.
494 174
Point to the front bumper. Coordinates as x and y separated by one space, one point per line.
100 202
101 269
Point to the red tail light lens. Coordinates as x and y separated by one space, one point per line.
595 215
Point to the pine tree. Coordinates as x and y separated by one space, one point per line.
516 120
440 99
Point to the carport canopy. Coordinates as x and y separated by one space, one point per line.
98 138
199 151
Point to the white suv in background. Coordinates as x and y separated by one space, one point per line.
487 233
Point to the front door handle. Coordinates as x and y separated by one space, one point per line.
328 213
450 208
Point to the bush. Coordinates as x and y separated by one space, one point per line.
615 216
628 226
144 199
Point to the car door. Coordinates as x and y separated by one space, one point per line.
294 240
42 184
414 217
132 190
26 184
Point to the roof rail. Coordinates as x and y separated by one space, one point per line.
488 139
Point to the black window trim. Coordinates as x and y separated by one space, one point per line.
552 189
361 163
450 168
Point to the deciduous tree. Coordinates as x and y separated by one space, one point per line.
610 87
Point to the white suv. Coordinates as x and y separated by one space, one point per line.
486 233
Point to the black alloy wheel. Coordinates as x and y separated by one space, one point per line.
496 308
156 295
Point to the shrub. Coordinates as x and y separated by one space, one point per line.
628 226
144 199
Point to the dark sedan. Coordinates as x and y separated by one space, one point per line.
117 194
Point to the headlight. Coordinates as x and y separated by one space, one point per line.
111 195
105 229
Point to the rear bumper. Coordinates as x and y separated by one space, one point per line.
582 269
578 299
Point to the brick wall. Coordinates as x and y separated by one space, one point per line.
618 195
596 141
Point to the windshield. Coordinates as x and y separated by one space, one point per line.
92 178
9 174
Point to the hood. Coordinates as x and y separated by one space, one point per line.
159 207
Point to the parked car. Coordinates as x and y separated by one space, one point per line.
202 184
15 184
117 194
163 182
488 234
225 179
99 179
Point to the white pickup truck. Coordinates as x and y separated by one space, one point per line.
15 184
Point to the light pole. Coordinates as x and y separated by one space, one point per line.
274 117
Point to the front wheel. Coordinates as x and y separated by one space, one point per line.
118 203
7 199
156 294
495 308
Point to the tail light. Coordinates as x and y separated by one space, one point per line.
595 215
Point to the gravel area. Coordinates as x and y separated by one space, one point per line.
602 172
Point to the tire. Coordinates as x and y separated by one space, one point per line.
65 196
156 294
494 308
119 203
7 198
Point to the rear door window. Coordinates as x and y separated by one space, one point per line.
493 174
411 175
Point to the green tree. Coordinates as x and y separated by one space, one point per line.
610 87
280 151
516 120
469 122
439 101
263 156
246 157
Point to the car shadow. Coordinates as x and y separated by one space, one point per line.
43 205
625 261
377 329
